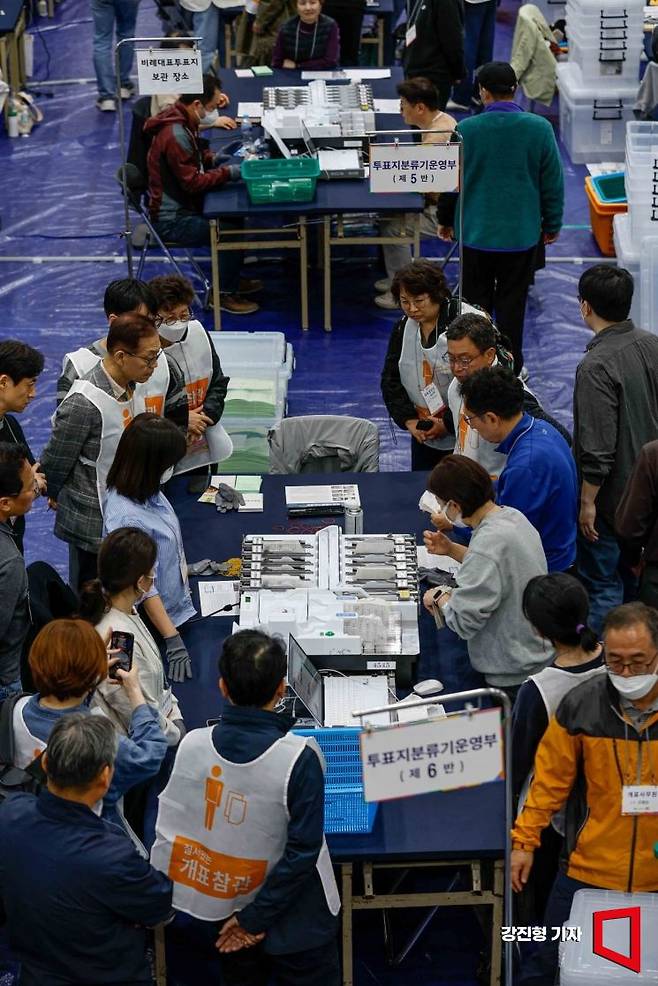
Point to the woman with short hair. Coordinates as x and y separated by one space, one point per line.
68 661
149 449
309 40
126 562
504 553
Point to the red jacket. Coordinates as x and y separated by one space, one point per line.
178 179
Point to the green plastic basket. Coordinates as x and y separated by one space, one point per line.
281 179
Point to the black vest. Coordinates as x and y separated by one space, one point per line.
304 44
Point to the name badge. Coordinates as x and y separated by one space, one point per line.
432 397
639 799
410 36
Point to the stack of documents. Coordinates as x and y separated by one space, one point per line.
323 496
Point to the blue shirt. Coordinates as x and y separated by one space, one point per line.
540 480
156 517
76 895
139 755
290 906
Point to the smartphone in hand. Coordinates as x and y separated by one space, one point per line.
123 642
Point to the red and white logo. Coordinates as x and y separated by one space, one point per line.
631 961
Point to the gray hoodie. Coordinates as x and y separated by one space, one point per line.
485 609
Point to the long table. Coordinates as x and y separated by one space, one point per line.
457 829
284 225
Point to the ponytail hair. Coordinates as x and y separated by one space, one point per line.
125 556
557 606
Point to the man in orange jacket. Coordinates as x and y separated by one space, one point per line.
602 741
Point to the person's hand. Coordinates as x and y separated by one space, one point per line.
288 63
550 238
129 681
225 123
197 423
441 522
437 543
432 598
586 520
438 430
446 233
52 504
223 101
232 937
520 864
39 479
410 425
180 663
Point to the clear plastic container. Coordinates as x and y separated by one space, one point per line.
629 258
592 121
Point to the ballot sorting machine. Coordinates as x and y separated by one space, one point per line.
338 594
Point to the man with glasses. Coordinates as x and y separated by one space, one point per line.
187 346
599 756
18 489
86 430
474 343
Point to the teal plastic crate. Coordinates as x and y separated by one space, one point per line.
281 179
611 188
345 811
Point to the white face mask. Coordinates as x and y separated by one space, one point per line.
211 116
457 520
173 332
635 687
166 475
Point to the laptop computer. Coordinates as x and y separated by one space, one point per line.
331 699
344 162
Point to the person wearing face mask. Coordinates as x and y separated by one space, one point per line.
310 40
87 427
149 450
415 378
615 413
68 661
187 344
180 172
474 343
126 562
164 391
504 553
598 758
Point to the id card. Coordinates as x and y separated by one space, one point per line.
410 36
639 799
432 397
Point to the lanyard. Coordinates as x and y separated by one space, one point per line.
315 34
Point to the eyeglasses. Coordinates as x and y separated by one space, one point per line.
635 667
149 360
470 417
463 361
185 317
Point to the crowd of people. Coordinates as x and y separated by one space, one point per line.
553 597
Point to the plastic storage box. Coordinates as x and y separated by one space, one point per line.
605 40
281 179
580 965
628 256
649 294
345 811
265 353
602 209
592 120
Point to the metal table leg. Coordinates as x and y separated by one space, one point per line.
214 265
346 879
327 272
303 270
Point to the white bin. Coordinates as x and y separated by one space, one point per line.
592 121
649 293
629 258
581 966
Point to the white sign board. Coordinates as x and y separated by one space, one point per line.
460 750
414 167
162 71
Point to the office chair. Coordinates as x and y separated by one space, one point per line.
135 187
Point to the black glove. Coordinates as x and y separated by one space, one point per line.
234 171
180 664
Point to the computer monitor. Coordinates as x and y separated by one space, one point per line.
305 681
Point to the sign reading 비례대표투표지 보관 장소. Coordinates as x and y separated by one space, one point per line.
463 749
163 71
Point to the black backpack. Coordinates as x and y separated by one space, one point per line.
15 779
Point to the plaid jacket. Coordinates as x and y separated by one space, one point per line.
76 441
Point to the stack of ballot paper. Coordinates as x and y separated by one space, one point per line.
250 398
